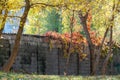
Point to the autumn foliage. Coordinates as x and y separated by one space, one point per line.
72 43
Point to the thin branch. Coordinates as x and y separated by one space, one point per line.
99 50
105 34
14 16
60 5
51 5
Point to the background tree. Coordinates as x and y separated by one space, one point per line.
11 60
53 21
112 19
3 17
92 46
50 20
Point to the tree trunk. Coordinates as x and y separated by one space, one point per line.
13 56
111 36
109 53
90 44
3 22
3 7
92 59
99 49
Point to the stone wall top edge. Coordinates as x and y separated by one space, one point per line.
29 35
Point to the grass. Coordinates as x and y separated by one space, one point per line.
15 76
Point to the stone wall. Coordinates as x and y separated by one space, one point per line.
34 56
4 51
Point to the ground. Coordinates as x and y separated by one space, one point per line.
15 76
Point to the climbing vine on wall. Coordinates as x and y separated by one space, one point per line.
77 41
